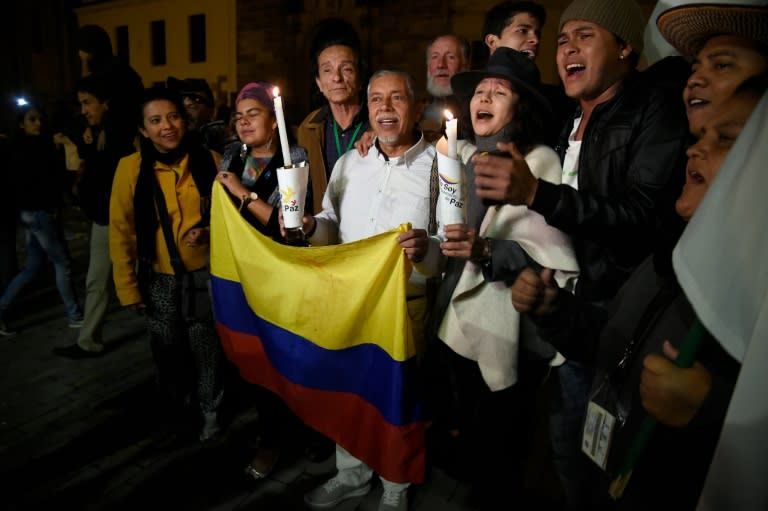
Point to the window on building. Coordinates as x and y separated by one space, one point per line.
123 53
158 43
197 38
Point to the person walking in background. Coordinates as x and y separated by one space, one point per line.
187 351
109 143
37 186
9 263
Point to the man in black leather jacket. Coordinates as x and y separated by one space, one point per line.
623 154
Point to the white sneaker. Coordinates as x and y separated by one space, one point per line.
332 492
394 500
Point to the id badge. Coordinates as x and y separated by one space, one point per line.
598 432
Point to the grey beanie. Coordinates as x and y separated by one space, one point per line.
624 18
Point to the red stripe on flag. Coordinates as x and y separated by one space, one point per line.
395 452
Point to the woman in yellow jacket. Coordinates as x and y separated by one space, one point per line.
187 352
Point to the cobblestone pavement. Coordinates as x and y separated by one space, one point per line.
83 434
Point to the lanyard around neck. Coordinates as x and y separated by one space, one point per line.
351 140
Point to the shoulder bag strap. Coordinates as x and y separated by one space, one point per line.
165 223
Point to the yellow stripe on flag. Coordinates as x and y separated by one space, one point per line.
336 296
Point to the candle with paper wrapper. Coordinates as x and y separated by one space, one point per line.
449 173
281 129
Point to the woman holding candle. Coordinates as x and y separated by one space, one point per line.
249 167
486 366
173 169
249 174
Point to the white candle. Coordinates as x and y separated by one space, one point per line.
281 128
450 133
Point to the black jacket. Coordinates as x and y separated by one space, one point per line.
36 173
630 173
648 309
95 186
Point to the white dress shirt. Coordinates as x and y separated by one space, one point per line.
373 194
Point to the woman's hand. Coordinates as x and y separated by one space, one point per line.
197 237
461 240
232 183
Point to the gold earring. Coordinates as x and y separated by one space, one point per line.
621 56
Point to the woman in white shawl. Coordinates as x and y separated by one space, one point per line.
484 370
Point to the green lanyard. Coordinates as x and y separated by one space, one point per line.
351 140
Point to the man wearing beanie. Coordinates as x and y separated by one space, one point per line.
623 154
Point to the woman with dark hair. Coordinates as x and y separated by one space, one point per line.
37 186
171 169
249 174
484 364
249 166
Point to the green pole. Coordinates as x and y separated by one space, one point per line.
643 436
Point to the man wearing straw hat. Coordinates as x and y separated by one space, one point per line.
730 44
727 43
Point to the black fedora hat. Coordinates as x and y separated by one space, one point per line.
510 65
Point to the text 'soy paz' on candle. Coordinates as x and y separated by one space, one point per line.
281 128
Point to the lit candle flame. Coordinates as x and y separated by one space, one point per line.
448 115
276 92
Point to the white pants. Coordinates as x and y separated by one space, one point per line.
354 472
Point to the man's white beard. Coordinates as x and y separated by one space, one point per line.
438 91
389 140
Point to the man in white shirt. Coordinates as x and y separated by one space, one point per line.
368 195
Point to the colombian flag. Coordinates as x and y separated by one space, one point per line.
327 329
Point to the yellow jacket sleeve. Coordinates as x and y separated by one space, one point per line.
122 230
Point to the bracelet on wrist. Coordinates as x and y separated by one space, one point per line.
247 199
